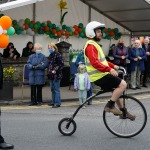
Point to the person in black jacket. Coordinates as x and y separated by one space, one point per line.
3 144
10 52
28 50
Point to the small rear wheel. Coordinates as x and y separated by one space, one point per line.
125 126
67 126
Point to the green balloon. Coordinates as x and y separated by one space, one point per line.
27 20
14 22
18 32
108 37
50 25
68 29
70 33
109 29
81 34
80 25
53 26
43 24
83 29
38 24
64 26
10 31
116 30
57 28
35 26
17 27
51 36
1 15
30 25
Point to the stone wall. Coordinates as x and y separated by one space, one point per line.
19 64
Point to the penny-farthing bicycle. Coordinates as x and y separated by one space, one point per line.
120 126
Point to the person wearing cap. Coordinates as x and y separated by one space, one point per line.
101 72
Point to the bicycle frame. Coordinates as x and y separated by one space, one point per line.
98 93
121 71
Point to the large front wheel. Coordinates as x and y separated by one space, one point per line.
124 126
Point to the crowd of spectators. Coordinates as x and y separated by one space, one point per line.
136 59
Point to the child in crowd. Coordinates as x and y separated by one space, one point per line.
82 83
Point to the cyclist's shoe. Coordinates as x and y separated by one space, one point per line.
113 110
129 116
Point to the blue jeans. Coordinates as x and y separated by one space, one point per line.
55 89
89 93
82 96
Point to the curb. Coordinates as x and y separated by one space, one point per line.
26 102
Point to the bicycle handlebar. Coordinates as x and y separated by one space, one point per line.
122 70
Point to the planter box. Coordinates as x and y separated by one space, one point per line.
6 93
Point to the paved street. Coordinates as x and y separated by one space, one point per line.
36 128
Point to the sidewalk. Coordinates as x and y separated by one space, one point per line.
66 95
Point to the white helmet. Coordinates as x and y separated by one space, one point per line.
90 27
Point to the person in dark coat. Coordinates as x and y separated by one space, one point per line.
11 52
37 63
137 57
55 67
120 54
28 50
146 47
3 144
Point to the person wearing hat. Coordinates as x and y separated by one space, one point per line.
102 72
3 144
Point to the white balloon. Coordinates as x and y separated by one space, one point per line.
24 32
32 33
21 22
5 31
28 31
1 30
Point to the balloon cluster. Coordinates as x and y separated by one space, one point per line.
5 30
31 28
53 31
111 34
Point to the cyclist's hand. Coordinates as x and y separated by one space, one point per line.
113 72
116 67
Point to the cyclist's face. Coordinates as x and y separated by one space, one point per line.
98 33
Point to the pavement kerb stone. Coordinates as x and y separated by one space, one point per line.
100 97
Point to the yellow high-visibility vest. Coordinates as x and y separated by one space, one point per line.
93 73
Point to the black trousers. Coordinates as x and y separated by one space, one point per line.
1 139
36 93
145 73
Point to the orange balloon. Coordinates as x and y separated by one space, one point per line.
111 33
75 32
5 22
79 30
4 41
105 30
26 26
46 28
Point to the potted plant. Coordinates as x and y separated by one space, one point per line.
8 76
